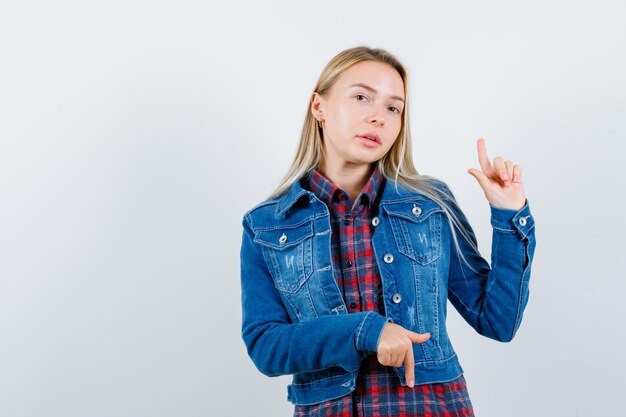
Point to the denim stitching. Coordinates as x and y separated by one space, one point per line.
358 332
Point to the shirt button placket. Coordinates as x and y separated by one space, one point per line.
356 399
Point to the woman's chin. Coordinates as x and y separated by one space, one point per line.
365 159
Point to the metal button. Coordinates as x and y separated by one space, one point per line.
348 263
417 211
283 238
388 258
396 298
375 221
522 221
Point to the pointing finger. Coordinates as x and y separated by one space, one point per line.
483 159
409 367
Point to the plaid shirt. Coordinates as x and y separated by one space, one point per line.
378 392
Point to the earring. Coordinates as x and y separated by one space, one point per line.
320 123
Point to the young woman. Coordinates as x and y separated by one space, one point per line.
347 267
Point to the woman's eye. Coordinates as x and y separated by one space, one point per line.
394 109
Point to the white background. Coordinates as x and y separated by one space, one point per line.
135 134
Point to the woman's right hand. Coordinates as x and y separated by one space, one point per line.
395 348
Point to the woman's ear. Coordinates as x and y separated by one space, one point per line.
317 106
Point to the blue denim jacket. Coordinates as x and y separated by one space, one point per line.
294 319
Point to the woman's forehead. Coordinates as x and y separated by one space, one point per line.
371 75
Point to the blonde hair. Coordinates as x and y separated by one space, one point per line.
397 164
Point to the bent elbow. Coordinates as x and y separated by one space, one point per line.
499 337
264 367
502 334
260 355
504 339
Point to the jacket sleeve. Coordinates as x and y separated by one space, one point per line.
278 346
492 298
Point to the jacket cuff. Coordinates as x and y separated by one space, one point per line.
369 331
509 220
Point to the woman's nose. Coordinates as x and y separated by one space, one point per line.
376 116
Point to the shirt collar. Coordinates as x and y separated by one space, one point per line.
329 193
390 191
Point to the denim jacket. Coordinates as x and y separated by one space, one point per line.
294 319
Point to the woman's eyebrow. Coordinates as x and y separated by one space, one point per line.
367 87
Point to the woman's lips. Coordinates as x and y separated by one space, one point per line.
370 135
367 142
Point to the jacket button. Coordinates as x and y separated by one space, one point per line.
396 298
417 211
522 221
388 258
375 221
283 238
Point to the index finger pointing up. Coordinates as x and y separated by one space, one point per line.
483 159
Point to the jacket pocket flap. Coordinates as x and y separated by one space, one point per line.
284 237
415 211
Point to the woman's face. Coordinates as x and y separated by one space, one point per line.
366 100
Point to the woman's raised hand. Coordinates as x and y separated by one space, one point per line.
395 348
501 182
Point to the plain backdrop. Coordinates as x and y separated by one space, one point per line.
134 135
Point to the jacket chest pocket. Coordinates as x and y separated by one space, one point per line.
288 252
416 229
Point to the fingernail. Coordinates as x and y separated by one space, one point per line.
411 383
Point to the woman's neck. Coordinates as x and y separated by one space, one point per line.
349 177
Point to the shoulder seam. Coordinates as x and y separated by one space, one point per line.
273 201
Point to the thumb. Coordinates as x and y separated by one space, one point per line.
482 179
418 337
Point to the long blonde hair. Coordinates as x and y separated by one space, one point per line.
396 165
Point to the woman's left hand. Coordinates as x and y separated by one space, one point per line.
501 182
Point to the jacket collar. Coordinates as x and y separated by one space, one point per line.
293 194
391 191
